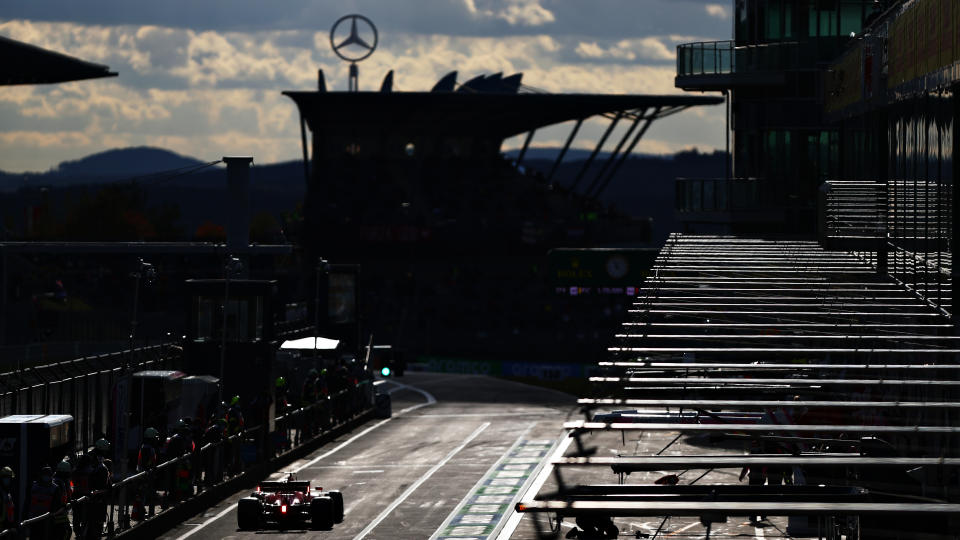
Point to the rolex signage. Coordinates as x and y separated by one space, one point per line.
576 271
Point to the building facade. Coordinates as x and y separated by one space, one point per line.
782 146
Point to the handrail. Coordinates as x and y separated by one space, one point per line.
726 57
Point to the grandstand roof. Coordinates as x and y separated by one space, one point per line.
28 64
484 114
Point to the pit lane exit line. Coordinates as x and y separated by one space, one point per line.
430 401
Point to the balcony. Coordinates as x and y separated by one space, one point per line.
718 65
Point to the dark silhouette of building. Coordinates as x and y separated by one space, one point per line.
783 147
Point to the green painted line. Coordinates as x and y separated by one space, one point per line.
480 513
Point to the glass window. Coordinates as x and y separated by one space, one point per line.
342 299
237 320
828 22
851 17
772 26
788 20
740 31
206 310
708 199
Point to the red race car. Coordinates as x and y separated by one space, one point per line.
289 503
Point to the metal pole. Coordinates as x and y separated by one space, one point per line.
133 321
223 336
727 96
316 309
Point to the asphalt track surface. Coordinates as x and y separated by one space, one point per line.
416 475
402 478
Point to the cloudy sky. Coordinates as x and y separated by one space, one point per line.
203 77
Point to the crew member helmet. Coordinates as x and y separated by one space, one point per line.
6 472
281 382
102 445
151 433
64 467
235 400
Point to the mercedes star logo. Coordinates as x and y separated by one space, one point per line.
354 39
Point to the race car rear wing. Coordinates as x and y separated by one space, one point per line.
274 487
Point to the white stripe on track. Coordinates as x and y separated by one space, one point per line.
430 401
413 487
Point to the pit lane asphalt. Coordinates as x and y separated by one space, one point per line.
401 478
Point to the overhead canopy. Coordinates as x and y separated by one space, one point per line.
310 343
489 114
28 64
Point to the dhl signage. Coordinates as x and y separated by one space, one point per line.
922 40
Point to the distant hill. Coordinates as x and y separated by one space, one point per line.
108 166
125 162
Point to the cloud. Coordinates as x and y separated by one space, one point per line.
717 10
207 93
595 20
514 12
649 48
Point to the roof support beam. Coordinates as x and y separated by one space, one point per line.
633 144
616 151
526 144
563 151
593 155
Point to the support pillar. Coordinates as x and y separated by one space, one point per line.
238 202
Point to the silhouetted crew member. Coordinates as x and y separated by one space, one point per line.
147 459
8 516
81 488
280 394
64 477
45 496
213 462
100 479
234 416
177 446
310 392
234 426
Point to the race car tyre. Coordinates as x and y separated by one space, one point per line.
249 514
337 499
321 512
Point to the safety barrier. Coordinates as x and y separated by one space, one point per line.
117 509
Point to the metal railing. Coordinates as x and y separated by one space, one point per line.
854 209
133 500
724 58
